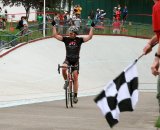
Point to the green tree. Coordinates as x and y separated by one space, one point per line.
27 4
38 4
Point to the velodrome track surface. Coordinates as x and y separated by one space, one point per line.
29 73
83 116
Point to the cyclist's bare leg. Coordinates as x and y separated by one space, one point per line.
75 76
75 89
64 72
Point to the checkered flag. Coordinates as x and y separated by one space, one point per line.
119 95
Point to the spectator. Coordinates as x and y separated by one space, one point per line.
20 24
78 10
116 27
89 21
1 24
68 16
65 18
61 23
77 22
102 15
70 22
56 19
156 29
124 14
97 20
66 21
4 23
114 12
118 14
155 40
119 7
74 17
4 18
91 14
40 22
6 14
48 18
75 9
25 26
88 25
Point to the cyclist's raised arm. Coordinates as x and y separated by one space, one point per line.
58 37
89 36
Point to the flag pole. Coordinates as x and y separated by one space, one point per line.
144 53
134 62
139 57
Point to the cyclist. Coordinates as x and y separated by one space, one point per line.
73 46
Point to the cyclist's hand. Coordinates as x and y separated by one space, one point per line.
92 24
53 23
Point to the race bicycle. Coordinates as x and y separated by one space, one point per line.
69 89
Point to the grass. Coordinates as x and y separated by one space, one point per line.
136 29
157 124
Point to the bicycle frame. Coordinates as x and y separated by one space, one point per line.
69 89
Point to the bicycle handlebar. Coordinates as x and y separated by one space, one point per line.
59 68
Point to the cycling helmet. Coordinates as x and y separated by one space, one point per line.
73 29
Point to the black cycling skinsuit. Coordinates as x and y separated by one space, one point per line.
73 47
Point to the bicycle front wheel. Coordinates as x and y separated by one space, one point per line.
71 95
67 96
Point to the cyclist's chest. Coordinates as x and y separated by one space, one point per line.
72 44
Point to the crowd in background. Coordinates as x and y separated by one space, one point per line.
119 18
65 19
3 18
120 14
22 25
